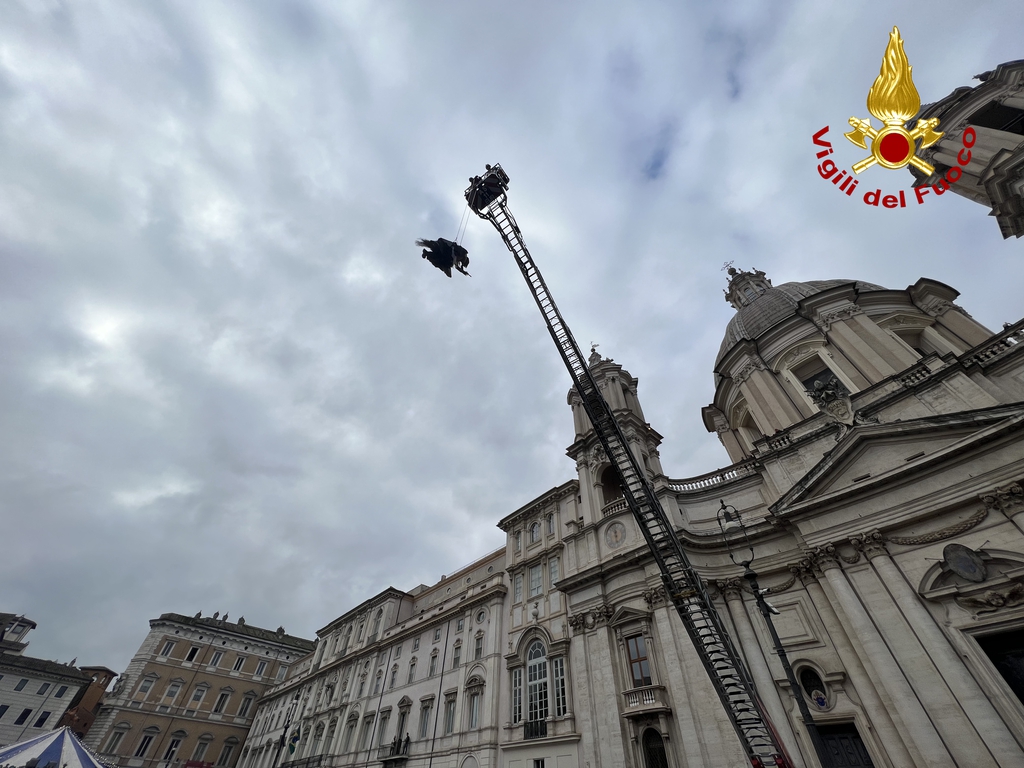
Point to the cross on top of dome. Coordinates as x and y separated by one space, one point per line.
745 287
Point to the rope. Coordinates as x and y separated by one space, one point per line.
463 223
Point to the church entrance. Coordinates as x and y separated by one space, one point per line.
1006 650
654 749
844 746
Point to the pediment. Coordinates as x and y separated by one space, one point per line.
625 614
876 454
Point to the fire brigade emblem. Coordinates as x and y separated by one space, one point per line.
894 100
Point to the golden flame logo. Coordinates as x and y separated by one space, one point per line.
893 99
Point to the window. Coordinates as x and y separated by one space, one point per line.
416 644
144 742
449 716
172 749
350 731
197 696
146 685
433 665
538 762
348 639
376 682
460 625
21 684
222 701
23 717
359 633
376 624
517 695
239 663
394 677
517 588
217 656
412 671
537 682
478 648
553 571
261 668
60 692
456 656
200 751
558 673
3 710
536 583
43 689
403 715
225 754
172 690
43 717
474 711
398 651
362 686
364 737
168 647
192 653
115 741
281 672
551 525
425 719
437 634
244 709
383 727
535 533
518 540
1002 117
638 664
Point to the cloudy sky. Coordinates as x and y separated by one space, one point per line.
230 383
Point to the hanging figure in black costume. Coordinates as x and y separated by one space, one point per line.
444 254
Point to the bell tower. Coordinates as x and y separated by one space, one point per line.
599 486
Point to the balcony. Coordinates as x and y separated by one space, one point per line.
307 762
648 700
395 753
535 729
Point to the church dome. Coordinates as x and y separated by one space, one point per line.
760 305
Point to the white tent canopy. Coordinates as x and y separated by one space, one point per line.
56 749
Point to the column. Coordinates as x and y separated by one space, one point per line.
979 710
879 718
916 728
763 680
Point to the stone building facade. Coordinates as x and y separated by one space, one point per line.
188 696
991 163
34 693
877 446
404 677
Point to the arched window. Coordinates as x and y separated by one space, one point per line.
330 735
376 682
318 736
535 533
350 732
814 687
654 750
551 525
611 488
536 689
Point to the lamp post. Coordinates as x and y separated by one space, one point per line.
728 521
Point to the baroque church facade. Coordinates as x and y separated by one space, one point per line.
877 446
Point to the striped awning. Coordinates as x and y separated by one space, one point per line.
56 749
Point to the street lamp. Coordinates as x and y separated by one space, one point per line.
730 522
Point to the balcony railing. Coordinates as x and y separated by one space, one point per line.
535 729
307 762
395 751
644 701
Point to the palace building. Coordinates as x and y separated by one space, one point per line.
876 441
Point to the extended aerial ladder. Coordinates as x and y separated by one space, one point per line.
487 197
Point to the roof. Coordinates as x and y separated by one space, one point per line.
219 625
775 305
60 747
44 667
